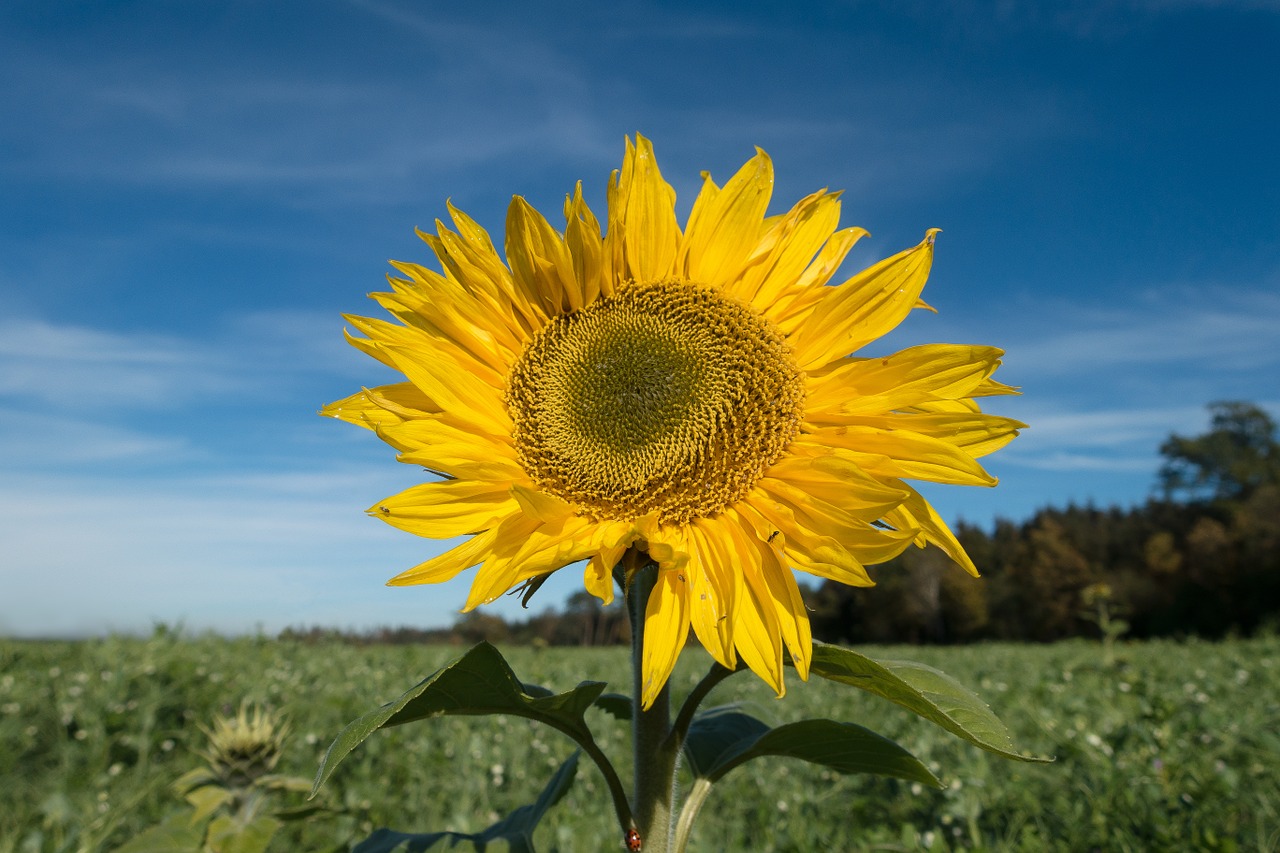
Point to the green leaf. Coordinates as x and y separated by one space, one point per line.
300 813
615 705
922 690
480 682
516 828
229 835
207 800
178 834
723 738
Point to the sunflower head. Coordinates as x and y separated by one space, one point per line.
666 399
698 392
245 747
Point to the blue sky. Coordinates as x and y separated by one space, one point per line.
192 193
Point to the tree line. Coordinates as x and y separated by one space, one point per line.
1202 558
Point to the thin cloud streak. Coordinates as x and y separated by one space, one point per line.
73 368
1211 329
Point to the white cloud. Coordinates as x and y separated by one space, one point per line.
34 440
1211 329
66 367
75 367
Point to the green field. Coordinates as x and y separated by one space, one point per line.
1176 746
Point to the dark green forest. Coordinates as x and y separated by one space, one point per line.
1200 558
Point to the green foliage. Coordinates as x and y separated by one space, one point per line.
1207 569
516 828
927 692
724 738
480 682
1238 455
1175 747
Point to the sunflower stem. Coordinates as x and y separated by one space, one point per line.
655 757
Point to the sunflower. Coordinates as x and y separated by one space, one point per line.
686 392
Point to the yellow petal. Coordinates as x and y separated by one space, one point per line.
666 627
793 619
864 308
447 509
444 307
586 247
532 548
918 512
799 237
901 453
725 225
451 563
597 578
643 233
921 374
827 477
805 550
794 307
541 505
380 407
540 260
468 257
973 432
756 633
447 448
822 539
390 335
712 593
452 388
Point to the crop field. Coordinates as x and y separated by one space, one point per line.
1171 746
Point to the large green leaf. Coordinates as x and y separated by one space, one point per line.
228 835
480 682
178 834
723 738
516 828
922 690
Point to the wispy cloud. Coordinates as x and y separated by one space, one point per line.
68 367
1218 329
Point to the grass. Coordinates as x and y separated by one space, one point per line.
1175 746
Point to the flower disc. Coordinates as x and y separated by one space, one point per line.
667 398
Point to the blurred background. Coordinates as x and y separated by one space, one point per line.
192 194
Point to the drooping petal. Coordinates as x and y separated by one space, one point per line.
666 627
713 590
916 512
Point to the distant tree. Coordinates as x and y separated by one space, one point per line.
1236 456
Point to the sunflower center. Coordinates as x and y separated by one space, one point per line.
667 397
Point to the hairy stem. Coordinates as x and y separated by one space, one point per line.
655 759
